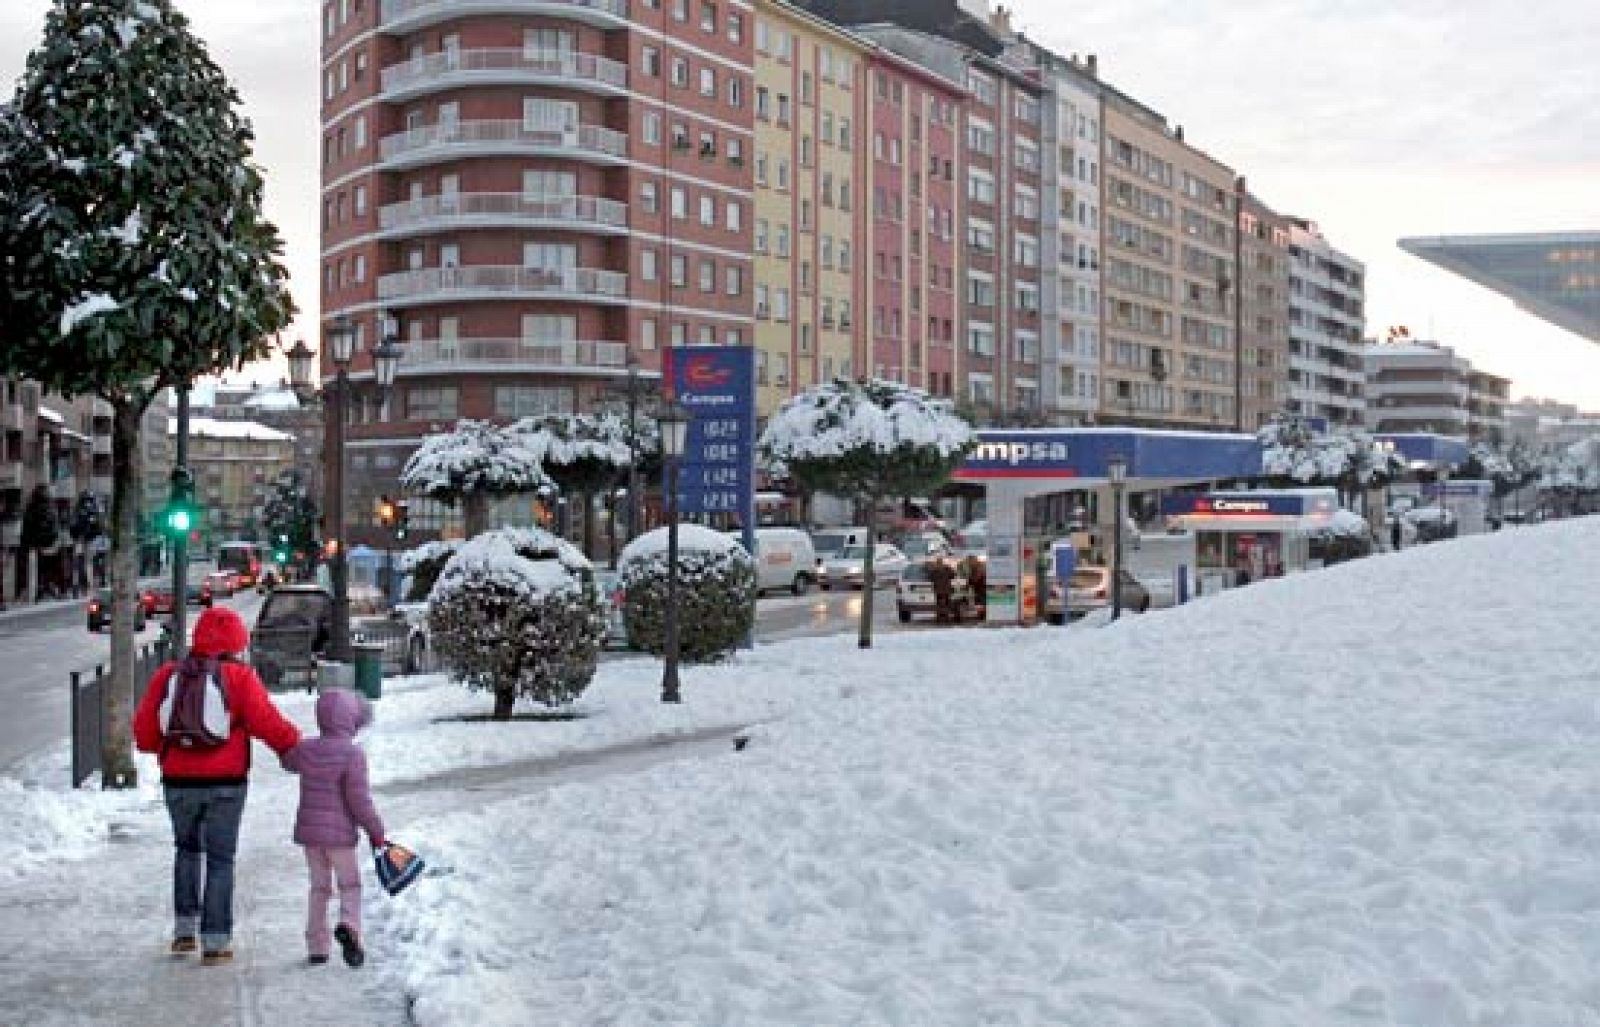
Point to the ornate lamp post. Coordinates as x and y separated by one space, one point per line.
1117 475
674 422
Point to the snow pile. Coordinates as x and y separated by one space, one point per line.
477 457
875 416
1297 826
1346 522
41 826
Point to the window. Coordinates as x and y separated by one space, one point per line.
708 82
652 129
761 235
735 216
980 187
649 198
733 277
980 339
708 276
735 27
680 203
680 72
549 185
780 304
532 400
361 201
647 265
783 240
735 92
431 404
708 211
708 17
361 132
647 334
650 61
680 271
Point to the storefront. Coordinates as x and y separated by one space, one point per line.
1242 537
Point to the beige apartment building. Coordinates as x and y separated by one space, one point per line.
1169 277
1262 318
235 466
808 174
1421 386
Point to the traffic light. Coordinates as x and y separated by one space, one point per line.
402 519
280 549
386 512
179 517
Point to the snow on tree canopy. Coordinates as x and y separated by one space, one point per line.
408 561
883 417
497 557
477 457
568 439
1290 449
692 538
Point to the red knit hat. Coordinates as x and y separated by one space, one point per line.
219 632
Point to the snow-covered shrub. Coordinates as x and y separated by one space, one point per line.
470 464
424 564
716 593
1346 536
516 612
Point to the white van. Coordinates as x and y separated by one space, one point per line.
830 542
785 559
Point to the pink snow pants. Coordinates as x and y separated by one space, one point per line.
325 864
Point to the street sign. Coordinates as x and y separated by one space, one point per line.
716 384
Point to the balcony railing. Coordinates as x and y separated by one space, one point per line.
494 282
401 16
424 355
452 68
495 210
448 140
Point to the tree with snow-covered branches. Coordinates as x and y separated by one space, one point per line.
716 593
869 441
133 252
584 454
469 465
516 613
1346 458
423 565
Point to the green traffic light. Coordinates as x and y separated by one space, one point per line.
180 521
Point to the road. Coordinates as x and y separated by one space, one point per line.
38 650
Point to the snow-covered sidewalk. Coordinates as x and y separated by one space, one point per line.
1364 795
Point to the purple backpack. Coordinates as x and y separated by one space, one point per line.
194 713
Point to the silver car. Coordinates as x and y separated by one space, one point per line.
847 569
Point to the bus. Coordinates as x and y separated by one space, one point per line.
243 558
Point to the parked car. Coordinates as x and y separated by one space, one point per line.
914 596
847 569
160 599
223 583
199 593
975 535
609 585
99 611
785 559
147 602
828 543
1089 589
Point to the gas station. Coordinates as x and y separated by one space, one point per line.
1013 467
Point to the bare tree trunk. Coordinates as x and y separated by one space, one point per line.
475 512
503 701
117 697
588 524
868 581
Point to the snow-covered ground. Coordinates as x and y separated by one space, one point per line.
1363 795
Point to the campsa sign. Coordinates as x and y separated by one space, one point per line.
1019 456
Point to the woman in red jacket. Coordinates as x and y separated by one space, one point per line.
206 785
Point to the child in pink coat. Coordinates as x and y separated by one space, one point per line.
335 799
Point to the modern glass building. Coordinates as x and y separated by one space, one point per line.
1554 276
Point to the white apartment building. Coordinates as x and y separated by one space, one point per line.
1072 241
1417 387
1327 326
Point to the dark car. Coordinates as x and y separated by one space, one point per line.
293 628
100 611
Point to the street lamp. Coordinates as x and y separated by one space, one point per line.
674 422
1117 475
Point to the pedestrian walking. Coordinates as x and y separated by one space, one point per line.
1395 534
199 715
335 799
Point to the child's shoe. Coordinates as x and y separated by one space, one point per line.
349 945
317 958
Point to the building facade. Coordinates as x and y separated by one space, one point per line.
1262 322
1417 387
1327 329
530 194
236 465
808 187
277 406
1169 348
1555 276
1488 396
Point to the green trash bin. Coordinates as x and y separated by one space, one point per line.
368 660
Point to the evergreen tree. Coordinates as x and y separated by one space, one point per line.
133 253
470 464
869 441
40 527
290 517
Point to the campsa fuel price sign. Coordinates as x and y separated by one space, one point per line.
716 384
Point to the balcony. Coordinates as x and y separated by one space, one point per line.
404 16
1417 387
435 285
1441 415
100 445
556 69
11 476
431 356
502 210
454 140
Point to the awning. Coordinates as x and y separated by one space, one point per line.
46 414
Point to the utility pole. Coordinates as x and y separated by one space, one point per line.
180 538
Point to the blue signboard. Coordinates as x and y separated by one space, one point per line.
1086 453
716 384
1243 504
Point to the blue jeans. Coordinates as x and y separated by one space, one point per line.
205 822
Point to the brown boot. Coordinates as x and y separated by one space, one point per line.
183 946
217 957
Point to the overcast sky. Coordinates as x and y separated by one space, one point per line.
1376 119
